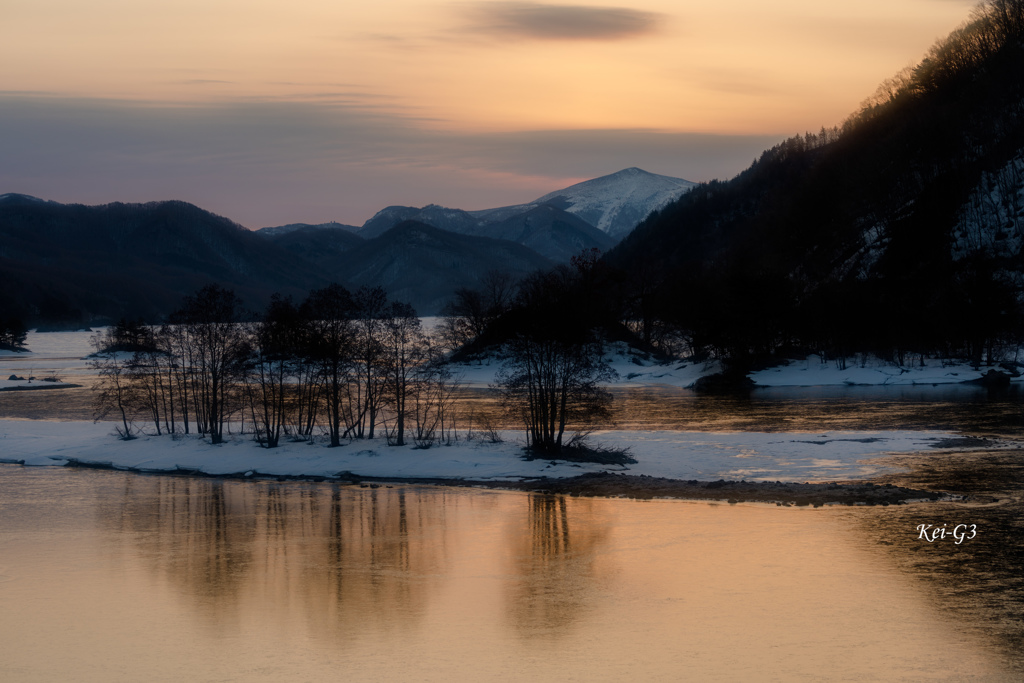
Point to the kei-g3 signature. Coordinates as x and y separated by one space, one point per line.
959 533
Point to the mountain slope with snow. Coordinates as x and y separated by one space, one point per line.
613 204
551 232
616 203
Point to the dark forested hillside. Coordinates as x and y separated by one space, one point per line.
317 244
424 265
551 232
64 265
70 265
899 231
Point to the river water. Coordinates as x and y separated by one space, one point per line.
112 576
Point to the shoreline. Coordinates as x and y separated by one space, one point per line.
787 468
607 485
835 455
41 387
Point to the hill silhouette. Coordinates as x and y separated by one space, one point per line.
898 232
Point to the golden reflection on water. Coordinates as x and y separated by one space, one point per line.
979 581
964 408
112 576
555 565
349 559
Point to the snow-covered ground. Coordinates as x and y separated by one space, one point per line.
815 372
32 382
683 455
50 354
63 354
637 369
705 456
991 220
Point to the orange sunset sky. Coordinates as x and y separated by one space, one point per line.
271 112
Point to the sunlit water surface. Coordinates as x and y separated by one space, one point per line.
109 576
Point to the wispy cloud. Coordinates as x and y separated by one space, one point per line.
558 22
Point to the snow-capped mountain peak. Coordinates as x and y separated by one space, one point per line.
616 203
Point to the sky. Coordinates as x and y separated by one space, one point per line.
272 112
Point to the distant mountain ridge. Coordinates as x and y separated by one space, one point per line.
454 220
70 264
292 227
616 203
319 244
597 212
551 232
73 265
423 265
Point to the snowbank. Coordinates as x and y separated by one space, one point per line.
638 369
36 383
679 455
870 371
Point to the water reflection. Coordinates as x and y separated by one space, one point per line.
349 559
978 582
971 409
554 565
114 576
350 564
966 408
190 529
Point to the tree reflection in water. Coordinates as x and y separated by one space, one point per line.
345 561
193 579
556 572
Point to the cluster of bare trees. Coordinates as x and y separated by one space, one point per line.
554 368
467 316
340 364
992 25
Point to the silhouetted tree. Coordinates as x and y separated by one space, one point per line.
127 334
331 344
12 334
369 375
404 350
467 316
216 350
554 369
117 393
275 346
